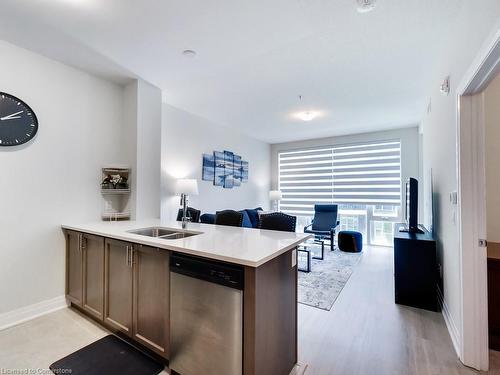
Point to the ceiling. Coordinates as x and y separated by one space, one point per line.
362 72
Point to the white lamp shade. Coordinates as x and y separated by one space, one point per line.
188 186
275 195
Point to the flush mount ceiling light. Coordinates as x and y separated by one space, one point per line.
307 115
189 53
365 6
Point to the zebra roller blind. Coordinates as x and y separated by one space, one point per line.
363 173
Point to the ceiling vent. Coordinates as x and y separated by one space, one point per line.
365 6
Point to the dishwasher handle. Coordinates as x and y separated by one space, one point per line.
230 275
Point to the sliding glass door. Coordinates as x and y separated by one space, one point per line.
364 179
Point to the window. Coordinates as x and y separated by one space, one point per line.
385 210
348 222
383 232
364 179
353 217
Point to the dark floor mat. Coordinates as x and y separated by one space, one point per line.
107 356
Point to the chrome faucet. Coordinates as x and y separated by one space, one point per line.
185 218
184 187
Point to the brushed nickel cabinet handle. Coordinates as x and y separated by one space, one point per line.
127 258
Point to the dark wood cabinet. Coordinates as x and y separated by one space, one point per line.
74 267
85 271
93 274
415 269
151 298
136 293
126 287
118 285
270 328
494 302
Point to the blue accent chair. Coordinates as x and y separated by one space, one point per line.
325 223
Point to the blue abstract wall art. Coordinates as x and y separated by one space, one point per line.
244 171
219 168
237 170
224 169
228 170
208 167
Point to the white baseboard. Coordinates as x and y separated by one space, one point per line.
299 369
18 316
450 323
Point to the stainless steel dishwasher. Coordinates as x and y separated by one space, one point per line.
206 317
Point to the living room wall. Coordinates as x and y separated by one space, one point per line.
185 138
476 21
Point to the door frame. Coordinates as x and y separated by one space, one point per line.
473 340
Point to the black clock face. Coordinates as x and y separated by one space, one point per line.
18 122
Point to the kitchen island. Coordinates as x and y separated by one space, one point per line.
119 273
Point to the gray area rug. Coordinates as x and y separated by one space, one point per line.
321 287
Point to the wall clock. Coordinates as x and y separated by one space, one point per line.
18 122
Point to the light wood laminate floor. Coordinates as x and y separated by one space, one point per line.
364 333
367 333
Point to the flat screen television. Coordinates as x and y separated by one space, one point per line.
411 209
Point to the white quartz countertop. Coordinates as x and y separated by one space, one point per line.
245 246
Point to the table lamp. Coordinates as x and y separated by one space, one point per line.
275 196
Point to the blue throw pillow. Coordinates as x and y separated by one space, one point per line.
207 218
246 220
253 215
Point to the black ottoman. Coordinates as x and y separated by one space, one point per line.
350 241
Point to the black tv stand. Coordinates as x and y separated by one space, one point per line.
404 228
415 269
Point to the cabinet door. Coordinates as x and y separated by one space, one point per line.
74 265
151 298
118 285
93 274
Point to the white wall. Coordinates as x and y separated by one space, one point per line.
492 158
185 137
55 178
142 142
473 25
410 141
129 141
148 168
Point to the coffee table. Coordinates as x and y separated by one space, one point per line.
310 250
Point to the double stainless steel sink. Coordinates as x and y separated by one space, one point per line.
163 233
